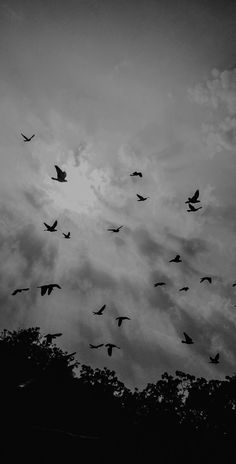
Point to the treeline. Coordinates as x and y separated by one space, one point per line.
42 396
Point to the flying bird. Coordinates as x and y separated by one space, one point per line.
50 337
176 259
27 139
135 173
194 198
208 279
61 175
115 230
192 208
19 290
110 347
66 235
120 319
100 311
215 360
48 288
184 289
159 284
141 198
51 228
96 346
188 340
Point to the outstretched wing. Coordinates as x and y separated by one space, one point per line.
32 136
24 137
43 289
139 196
54 225
217 357
59 171
195 196
187 338
15 291
191 207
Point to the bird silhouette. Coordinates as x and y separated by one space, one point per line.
100 311
135 173
50 337
188 340
27 139
110 347
184 289
234 285
48 288
96 346
51 228
208 279
159 284
192 208
66 235
115 230
120 319
176 259
194 198
19 290
61 175
141 198
215 360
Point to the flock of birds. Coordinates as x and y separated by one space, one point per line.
48 288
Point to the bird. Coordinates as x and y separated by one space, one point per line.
115 230
194 198
48 288
61 175
208 279
192 208
184 289
120 319
100 311
51 228
135 173
214 360
110 347
67 356
176 259
234 285
66 235
159 284
141 198
188 340
96 346
27 139
19 290
50 337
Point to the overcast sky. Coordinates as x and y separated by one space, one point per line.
109 88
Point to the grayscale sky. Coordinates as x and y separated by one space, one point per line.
109 88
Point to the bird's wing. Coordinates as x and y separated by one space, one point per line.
102 308
24 136
50 289
191 207
59 171
46 225
111 230
217 357
56 285
195 196
32 136
15 292
54 225
139 196
187 338
109 350
120 227
43 289
57 335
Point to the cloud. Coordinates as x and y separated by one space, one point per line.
219 95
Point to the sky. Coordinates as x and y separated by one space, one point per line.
109 88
